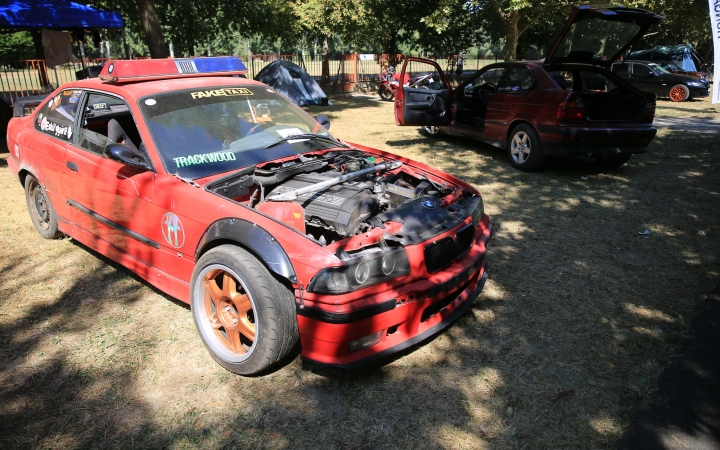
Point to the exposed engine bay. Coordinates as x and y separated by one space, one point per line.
336 195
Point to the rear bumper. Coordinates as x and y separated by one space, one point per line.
408 315
583 141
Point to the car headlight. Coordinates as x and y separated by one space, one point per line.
362 271
696 84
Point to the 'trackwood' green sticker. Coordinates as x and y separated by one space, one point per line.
204 158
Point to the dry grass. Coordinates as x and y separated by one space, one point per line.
700 109
578 319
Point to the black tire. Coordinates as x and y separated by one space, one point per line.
524 148
247 335
386 94
430 131
613 160
41 211
679 93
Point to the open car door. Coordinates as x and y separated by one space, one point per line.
426 99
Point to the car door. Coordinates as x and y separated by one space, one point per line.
109 199
428 104
510 97
645 79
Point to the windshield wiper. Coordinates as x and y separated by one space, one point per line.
305 136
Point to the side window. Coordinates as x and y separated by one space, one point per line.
564 79
106 119
57 117
620 69
516 79
641 69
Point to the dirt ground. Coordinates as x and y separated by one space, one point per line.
579 317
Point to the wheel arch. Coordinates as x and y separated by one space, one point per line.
252 238
22 175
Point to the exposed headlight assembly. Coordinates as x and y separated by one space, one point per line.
362 270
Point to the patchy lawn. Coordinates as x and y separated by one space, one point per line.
700 108
580 315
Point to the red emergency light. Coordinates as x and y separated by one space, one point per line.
153 69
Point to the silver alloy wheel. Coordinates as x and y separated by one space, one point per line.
520 147
227 313
431 130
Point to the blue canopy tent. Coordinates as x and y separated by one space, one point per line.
59 15
17 15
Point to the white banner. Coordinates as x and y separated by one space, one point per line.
715 28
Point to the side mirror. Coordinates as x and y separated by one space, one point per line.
125 155
323 120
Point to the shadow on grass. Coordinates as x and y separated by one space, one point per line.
578 317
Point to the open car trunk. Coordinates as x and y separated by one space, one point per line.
613 106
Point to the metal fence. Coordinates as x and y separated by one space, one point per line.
344 73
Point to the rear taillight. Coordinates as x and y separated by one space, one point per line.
572 108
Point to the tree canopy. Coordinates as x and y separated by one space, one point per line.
526 27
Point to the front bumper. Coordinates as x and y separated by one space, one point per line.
404 315
582 140
696 92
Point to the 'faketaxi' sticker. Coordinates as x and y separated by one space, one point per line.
227 92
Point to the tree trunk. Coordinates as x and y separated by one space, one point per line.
151 24
325 61
513 32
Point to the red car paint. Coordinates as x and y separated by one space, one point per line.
156 225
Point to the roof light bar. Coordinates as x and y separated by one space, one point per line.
154 69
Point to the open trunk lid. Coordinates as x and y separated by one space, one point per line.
599 35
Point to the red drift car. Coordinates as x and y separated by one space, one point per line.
225 195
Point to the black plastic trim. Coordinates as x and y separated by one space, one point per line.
340 318
111 224
256 239
449 320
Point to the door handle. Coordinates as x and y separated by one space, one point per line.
72 166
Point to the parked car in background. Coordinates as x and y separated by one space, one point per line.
672 66
652 77
569 104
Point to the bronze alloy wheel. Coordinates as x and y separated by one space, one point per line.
679 93
229 311
245 316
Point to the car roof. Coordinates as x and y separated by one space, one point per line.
137 89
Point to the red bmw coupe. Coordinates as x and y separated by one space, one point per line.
222 193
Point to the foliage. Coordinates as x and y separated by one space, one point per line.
17 46
527 27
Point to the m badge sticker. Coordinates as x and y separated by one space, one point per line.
172 230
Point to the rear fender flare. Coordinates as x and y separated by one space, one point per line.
253 238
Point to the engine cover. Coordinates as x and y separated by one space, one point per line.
341 206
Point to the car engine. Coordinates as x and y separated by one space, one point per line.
362 195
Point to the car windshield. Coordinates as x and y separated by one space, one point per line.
199 133
659 68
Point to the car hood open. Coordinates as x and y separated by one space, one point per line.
599 35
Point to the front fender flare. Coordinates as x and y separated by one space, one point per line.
254 238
